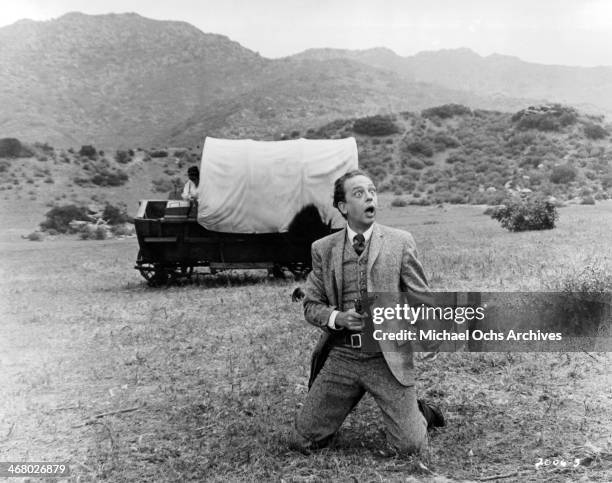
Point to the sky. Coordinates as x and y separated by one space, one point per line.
566 32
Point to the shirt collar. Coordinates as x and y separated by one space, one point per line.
366 234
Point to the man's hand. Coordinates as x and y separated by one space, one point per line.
350 320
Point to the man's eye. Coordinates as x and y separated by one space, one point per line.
358 194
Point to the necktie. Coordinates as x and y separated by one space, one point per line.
359 243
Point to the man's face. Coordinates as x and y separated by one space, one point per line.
360 204
193 177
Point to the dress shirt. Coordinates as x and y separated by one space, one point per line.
190 191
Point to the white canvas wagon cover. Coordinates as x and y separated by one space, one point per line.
251 186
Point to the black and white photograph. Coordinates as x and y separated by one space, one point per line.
304 241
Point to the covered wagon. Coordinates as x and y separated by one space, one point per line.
260 205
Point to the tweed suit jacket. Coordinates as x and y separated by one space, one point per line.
392 267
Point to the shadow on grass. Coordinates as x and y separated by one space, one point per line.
225 279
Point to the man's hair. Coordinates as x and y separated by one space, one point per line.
339 193
193 170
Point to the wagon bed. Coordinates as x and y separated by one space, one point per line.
174 246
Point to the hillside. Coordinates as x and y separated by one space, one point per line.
451 154
113 80
298 94
589 88
121 81
448 154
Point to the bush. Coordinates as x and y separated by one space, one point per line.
59 217
588 200
115 215
105 177
89 232
399 202
545 118
124 229
563 174
606 181
163 185
420 148
35 236
446 111
159 154
123 157
88 151
12 148
375 126
458 158
416 164
581 305
594 131
444 141
525 214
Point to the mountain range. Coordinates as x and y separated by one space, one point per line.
122 80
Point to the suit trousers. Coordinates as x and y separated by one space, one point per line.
346 376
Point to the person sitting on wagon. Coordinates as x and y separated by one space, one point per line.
190 191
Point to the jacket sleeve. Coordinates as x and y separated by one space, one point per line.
316 304
415 286
413 277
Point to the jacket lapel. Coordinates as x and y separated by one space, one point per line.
376 243
337 255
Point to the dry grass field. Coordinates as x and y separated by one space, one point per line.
209 374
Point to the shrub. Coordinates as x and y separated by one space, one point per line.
399 202
92 232
563 174
446 111
594 131
421 202
35 236
444 141
159 154
581 304
12 148
59 217
588 200
458 158
123 157
545 118
375 126
88 151
122 230
416 164
606 181
163 185
531 213
420 147
115 215
105 177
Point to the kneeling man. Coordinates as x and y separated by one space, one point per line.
346 265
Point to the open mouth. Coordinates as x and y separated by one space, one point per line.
370 210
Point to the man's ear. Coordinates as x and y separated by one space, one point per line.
342 207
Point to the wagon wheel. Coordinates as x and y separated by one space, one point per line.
153 273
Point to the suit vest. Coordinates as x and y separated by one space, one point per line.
354 274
